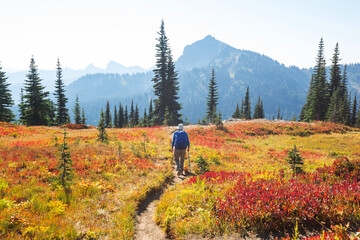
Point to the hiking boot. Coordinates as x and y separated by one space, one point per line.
179 172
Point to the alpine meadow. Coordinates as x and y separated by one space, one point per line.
215 142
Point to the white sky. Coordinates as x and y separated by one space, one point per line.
81 32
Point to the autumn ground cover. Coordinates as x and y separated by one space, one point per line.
110 181
251 189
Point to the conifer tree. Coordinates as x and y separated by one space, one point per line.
66 171
212 98
132 114
76 111
107 115
165 81
166 117
317 100
258 111
247 105
116 121
236 114
101 127
145 118
61 111
36 108
6 102
121 116
242 114
172 88
126 117
335 72
345 100
51 112
150 115
295 160
136 115
279 114
83 118
22 108
354 112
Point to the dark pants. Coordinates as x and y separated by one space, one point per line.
179 155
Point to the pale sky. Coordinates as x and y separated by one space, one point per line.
81 32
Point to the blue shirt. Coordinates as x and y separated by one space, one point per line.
175 136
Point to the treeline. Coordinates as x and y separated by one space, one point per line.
35 107
124 116
330 100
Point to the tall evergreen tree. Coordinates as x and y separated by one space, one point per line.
36 108
107 115
335 72
77 111
136 115
101 127
61 111
116 121
165 82
172 89
278 114
126 117
345 100
83 118
150 115
259 110
354 112
132 114
212 98
121 116
145 119
6 102
242 113
236 114
247 105
317 100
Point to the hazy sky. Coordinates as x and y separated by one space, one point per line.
80 32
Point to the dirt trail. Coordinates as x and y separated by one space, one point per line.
146 228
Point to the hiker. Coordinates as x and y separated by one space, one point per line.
180 142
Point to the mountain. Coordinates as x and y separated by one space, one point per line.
17 79
200 53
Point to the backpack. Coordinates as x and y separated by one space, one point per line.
181 140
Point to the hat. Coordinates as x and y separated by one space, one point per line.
180 127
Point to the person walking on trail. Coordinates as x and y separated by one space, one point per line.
180 142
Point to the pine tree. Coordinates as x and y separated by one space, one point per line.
66 171
102 129
121 116
242 114
278 114
258 111
61 111
317 100
166 117
236 114
212 98
83 118
247 105
116 121
335 72
6 102
76 111
165 81
145 118
136 116
262 109
172 88
345 100
51 113
132 114
107 115
150 115
354 112
126 117
295 160
36 108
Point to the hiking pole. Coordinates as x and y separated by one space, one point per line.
189 161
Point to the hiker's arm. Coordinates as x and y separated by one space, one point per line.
173 142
